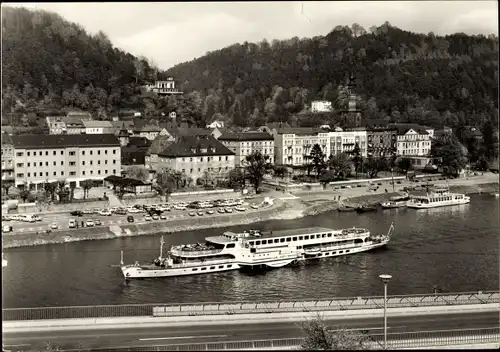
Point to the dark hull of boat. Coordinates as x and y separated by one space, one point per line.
346 209
365 210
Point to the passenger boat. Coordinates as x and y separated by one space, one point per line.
232 251
396 202
437 197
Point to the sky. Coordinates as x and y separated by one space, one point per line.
169 33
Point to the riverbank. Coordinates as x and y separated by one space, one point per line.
282 209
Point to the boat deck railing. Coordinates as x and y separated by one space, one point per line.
205 262
194 253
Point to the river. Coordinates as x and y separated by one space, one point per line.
454 248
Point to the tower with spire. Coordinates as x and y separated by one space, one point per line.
351 117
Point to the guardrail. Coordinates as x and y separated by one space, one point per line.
374 341
227 308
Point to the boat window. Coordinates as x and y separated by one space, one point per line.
320 254
288 239
222 266
282 240
318 235
231 245
264 241
252 250
347 251
306 237
334 252
195 269
212 267
299 247
251 243
230 265
301 238
358 240
323 235
204 268
329 235
295 238
327 253
277 240
257 242
340 252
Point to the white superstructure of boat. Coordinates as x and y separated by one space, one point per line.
232 251
437 197
396 202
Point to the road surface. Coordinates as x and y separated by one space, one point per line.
236 332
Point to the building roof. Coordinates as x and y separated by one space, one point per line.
159 144
6 138
97 124
246 136
31 141
402 128
301 131
195 145
148 128
139 142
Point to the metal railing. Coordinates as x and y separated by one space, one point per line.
227 308
374 342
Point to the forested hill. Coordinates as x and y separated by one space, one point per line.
404 75
49 63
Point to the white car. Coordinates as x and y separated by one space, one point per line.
6 228
54 226
89 223
133 210
254 206
240 208
72 224
105 213
148 218
179 207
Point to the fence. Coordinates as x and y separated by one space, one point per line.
374 341
226 308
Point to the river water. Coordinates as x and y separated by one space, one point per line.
454 248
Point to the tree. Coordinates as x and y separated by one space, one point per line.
86 185
338 164
449 154
50 189
62 191
164 182
404 164
280 171
357 158
24 194
317 158
319 336
138 172
256 166
236 178
6 185
374 165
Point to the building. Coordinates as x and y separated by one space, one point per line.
150 131
128 185
294 145
127 125
134 152
321 106
48 158
246 143
382 141
352 116
97 127
199 157
56 124
158 145
164 87
7 158
414 142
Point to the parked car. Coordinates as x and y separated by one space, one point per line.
229 210
130 218
89 223
200 213
76 213
6 228
72 224
54 226
192 213
105 213
6 218
163 217
148 218
121 211
254 206
88 211
97 222
210 212
155 217
221 210
239 208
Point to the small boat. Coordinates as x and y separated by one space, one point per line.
347 209
366 209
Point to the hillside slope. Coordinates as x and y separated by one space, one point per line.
49 63
407 76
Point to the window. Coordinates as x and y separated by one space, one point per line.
106 172
83 173
83 152
221 266
34 174
301 238
91 162
72 163
282 240
99 152
195 269
62 173
55 173
106 152
71 153
83 162
276 240
91 152
212 267
105 162
288 239
294 238
230 265
62 163
46 174
34 154
91 172
306 237
98 172
114 172
46 153
114 151
204 268
28 153
29 164
46 163
98 162
62 152
264 241
19 154
114 161
220 158
20 164
40 164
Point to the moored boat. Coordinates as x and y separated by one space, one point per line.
437 197
366 208
233 251
396 202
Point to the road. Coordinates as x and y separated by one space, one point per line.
236 332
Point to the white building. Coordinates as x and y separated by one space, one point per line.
321 106
294 145
163 87
414 142
97 127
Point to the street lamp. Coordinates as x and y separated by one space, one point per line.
385 279
392 176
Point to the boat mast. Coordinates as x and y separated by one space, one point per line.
161 248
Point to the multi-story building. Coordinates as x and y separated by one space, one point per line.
150 131
7 158
48 158
294 145
164 87
198 157
321 106
157 146
414 143
246 143
70 124
97 127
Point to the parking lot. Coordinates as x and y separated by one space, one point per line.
136 214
